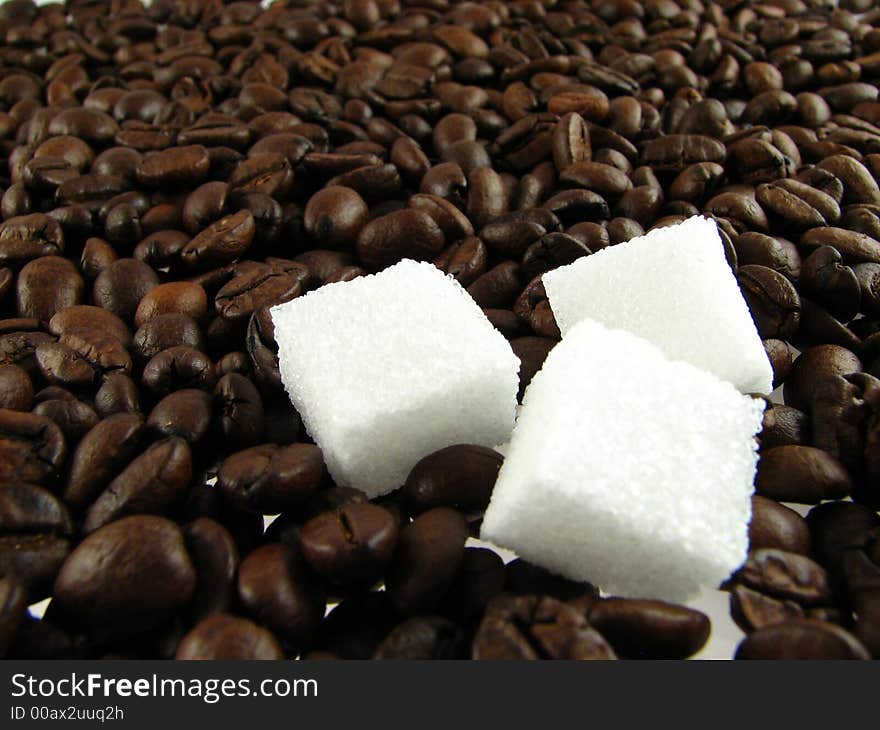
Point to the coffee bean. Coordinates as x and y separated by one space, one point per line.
801 639
215 557
270 479
460 476
225 637
120 287
406 233
639 628
16 388
274 589
153 483
811 367
350 545
427 557
221 242
801 474
108 596
774 525
424 637
32 448
536 627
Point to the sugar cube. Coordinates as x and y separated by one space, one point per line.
672 286
387 368
628 469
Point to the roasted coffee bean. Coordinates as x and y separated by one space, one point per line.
275 589
551 251
801 474
186 413
13 607
811 367
351 545
335 216
74 417
479 579
402 234
126 577
167 330
100 455
27 509
153 483
225 637
802 638
215 557
536 627
32 448
83 316
424 637
120 287
174 167
772 300
774 525
785 575
752 610
27 237
16 388
117 394
178 367
460 476
524 578
181 297
221 242
239 409
47 285
426 560
269 479
638 628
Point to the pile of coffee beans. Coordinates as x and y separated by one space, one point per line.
172 171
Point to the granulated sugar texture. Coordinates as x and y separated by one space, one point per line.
627 469
387 368
673 287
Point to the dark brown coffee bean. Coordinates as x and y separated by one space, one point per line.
32 448
83 316
533 309
185 413
858 183
351 545
215 557
424 637
801 639
774 525
460 476
47 285
801 474
428 555
174 297
28 509
571 141
121 286
781 356
100 455
498 287
786 576
224 637
127 577
855 247
536 627
13 607
154 483
16 388
34 560
263 286
551 251
74 417
752 610
479 579
402 234
174 167
269 479
640 628
27 237
178 367
813 365
221 242
117 394
275 589
334 216
167 330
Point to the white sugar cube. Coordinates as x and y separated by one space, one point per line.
628 469
384 369
673 287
